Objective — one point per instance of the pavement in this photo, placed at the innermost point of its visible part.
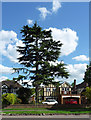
(47, 116)
(45, 119)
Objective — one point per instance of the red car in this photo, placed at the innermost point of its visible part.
(71, 101)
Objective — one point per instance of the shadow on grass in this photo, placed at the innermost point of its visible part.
(71, 108)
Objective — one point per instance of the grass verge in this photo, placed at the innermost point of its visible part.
(58, 109)
(47, 112)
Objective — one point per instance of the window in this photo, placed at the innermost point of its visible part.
(4, 91)
(54, 89)
(63, 89)
(4, 86)
(48, 89)
(67, 89)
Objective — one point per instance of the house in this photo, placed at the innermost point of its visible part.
(65, 93)
(61, 93)
(79, 89)
(50, 91)
(65, 88)
(10, 86)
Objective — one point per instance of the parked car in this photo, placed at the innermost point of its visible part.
(50, 102)
(71, 101)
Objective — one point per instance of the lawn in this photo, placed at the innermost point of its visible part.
(46, 111)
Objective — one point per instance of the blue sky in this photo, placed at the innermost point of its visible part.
(68, 21)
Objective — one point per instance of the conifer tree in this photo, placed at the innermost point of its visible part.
(38, 52)
(87, 76)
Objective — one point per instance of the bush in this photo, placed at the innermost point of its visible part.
(10, 98)
(18, 101)
(5, 102)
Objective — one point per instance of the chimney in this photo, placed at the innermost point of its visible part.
(74, 83)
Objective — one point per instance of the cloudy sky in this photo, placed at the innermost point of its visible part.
(69, 23)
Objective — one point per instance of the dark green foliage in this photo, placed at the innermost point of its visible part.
(38, 51)
(18, 101)
(72, 84)
(5, 102)
(10, 98)
(7, 79)
(87, 94)
(87, 76)
(24, 94)
(32, 91)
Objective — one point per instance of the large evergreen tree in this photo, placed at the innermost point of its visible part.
(87, 76)
(38, 51)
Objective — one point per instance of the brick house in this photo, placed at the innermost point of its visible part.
(79, 89)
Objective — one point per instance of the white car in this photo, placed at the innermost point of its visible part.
(50, 102)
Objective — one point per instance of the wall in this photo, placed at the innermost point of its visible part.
(47, 106)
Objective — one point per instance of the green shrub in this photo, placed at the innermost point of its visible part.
(18, 101)
(5, 102)
(87, 94)
(10, 98)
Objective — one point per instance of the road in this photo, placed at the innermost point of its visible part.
(53, 117)
(45, 119)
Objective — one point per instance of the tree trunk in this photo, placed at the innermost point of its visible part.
(36, 89)
(36, 93)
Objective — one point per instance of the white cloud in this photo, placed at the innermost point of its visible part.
(44, 12)
(67, 37)
(56, 5)
(28, 81)
(2, 78)
(8, 42)
(56, 62)
(81, 58)
(76, 71)
(30, 22)
(5, 70)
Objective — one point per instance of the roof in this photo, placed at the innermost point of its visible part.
(65, 83)
(11, 83)
(81, 85)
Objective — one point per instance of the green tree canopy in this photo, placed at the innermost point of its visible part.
(38, 52)
(87, 94)
(24, 94)
(87, 76)
(72, 84)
